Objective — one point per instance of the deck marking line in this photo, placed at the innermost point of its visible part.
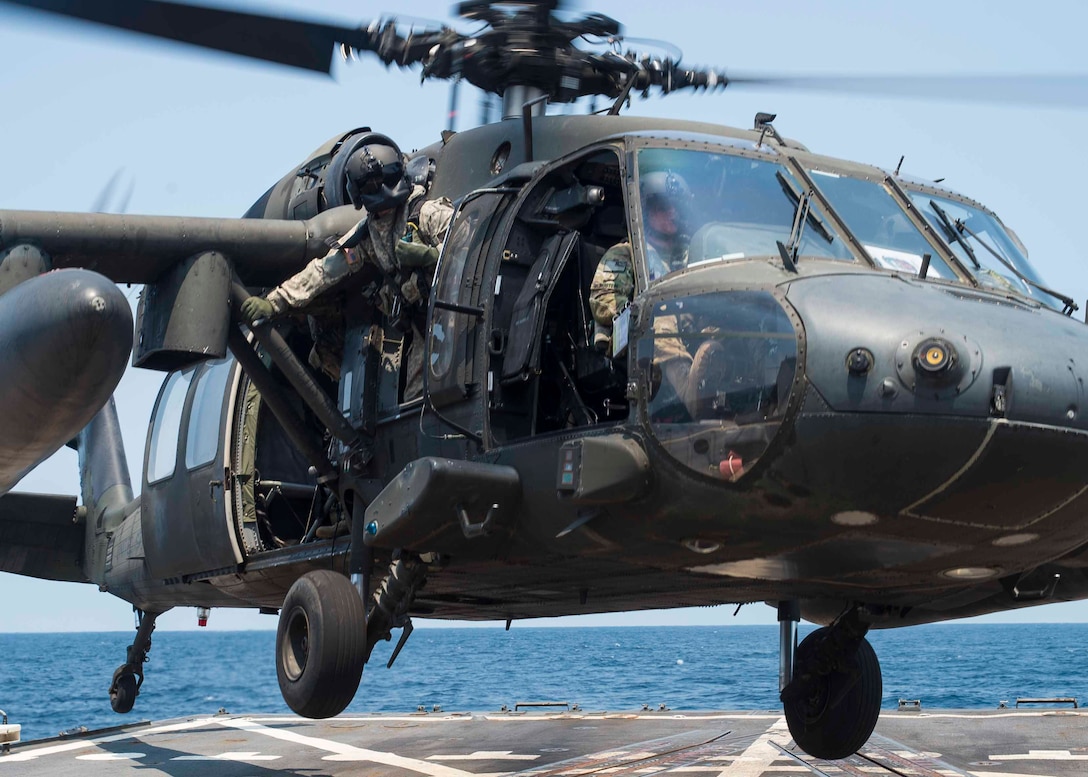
(453, 718)
(247, 756)
(759, 755)
(1040, 755)
(111, 756)
(343, 752)
(499, 717)
(1007, 774)
(485, 755)
(67, 747)
(718, 769)
(976, 716)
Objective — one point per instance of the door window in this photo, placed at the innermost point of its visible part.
(206, 415)
(457, 298)
(163, 450)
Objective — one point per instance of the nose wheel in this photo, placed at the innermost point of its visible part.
(833, 701)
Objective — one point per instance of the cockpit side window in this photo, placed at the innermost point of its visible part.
(206, 415)
(166, 427)
(722, 368)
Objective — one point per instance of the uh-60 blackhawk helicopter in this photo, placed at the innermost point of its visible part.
(836, 326)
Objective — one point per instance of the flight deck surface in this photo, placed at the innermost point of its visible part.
(998, 743)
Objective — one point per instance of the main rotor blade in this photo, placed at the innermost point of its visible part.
(293, 42)
(1068, 91)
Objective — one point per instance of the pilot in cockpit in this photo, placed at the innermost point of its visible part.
(666, 205)
(666, 201)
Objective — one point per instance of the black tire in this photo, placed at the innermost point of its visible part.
(320, 644)
(823, 728)
(123, 693)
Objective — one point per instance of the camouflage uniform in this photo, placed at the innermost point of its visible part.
(325, 272)
(611, 290)
(614, 284)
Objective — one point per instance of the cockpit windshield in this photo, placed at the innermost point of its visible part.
(882, 226)
(703, 206)
(976, 236)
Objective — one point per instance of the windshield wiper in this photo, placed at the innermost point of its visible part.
(1070, 306)
(952, 234)
(798, 200)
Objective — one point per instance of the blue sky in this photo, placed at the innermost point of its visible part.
(204, 134)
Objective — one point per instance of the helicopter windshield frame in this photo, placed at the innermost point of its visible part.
(883, 221)
(716, 223)
(994, 236)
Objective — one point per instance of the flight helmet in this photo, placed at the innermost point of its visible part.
(664, 186)
(666, 206)
(375, 176)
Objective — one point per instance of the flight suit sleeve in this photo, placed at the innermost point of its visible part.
(613, 284)
(434, 220)
(317, 277)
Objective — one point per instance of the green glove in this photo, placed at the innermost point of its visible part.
(415, 254)
(256, 308)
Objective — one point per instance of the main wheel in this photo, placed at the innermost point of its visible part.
(834, 714)
(320, 644)
(123, 693)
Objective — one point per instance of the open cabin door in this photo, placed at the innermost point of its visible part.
(453, 370)
(549, 374)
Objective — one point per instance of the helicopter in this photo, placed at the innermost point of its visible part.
(538, 476)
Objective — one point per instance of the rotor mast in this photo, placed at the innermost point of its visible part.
(528, 57)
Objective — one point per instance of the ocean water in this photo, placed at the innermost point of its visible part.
(55, 682)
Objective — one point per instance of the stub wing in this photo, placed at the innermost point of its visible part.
(40, 537)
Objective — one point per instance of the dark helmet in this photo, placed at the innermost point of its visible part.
(374, 175)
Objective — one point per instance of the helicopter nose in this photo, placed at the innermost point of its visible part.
(65, 338)
(885, 344)
(939, 402)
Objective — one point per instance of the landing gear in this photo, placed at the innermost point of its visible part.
(128, 677)
(390, 611)
(325, 635)
(320, 644)
(833, 700)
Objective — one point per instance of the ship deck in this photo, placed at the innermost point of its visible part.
(541, 741)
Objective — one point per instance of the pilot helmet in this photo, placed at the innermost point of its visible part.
(664, 188)
(666, 205)
(375, 177)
